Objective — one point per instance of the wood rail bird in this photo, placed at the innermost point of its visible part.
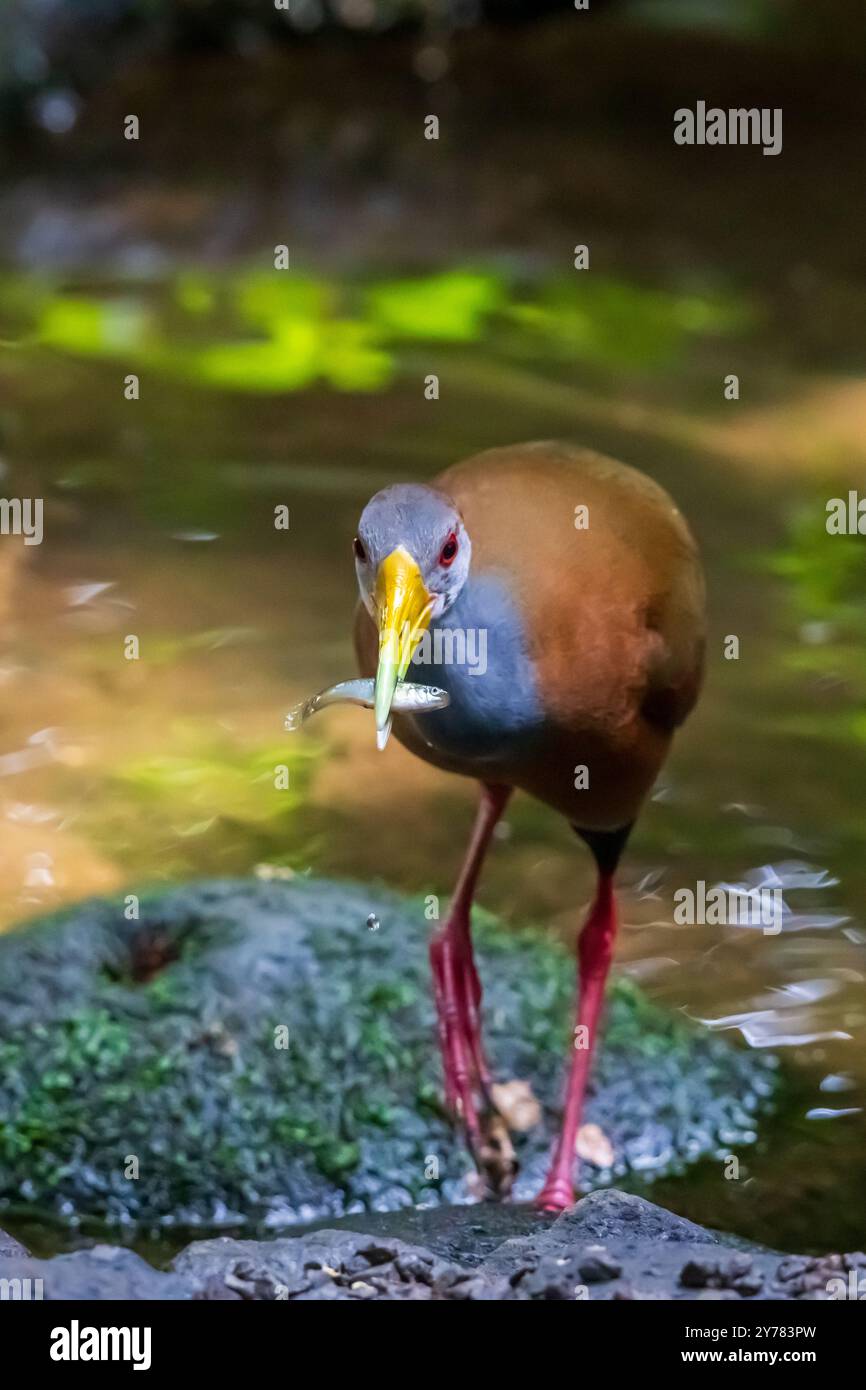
(586, 581)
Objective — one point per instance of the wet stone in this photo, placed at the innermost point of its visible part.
(737, 1273)
(597, 1266)
(549, 1261)
(289, 1061)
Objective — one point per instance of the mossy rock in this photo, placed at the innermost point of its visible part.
(154, 1045)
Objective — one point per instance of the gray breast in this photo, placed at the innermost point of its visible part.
(478, 652)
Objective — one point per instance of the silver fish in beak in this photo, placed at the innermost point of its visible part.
(409, 698)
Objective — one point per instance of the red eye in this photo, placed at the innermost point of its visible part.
(449, 550)
(358, 547)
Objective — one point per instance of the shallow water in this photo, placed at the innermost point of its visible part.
(159, 523)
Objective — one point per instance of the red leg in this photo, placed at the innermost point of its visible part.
(455, 978)
(594, 951)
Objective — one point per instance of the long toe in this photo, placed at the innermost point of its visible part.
(497, 1159)
(556, 1195)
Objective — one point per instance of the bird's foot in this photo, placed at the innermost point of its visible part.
(557, 1194)
(497, 1161)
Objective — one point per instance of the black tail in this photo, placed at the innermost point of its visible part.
(606, 845)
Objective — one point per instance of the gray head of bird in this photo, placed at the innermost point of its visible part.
(412, 557)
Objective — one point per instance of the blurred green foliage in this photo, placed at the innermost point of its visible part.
(451, 307)
(613, 323)
(826, 587)
(826, 573)
(213, 799)
(270, 333)
(219, 779)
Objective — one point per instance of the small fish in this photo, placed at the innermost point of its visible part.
(409, 698)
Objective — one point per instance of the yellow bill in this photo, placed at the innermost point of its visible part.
(403, 608)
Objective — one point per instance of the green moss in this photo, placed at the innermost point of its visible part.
(182, 1071)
